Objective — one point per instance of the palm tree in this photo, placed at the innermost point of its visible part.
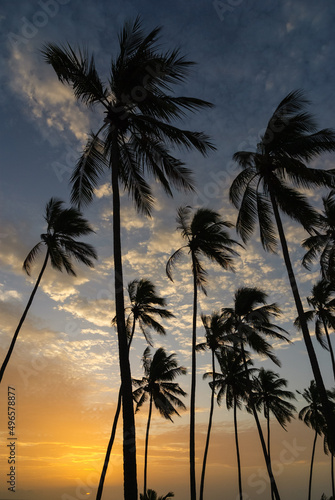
(64, 225)
(152, 495)
(205, 236)
(247, 322)
(270, 182)
(134, 139)
(322, 301)
(143, 309)
(212, 325)
(232, 383)
(160, 370)
(270, 394)
(312, 415)
(322, 244)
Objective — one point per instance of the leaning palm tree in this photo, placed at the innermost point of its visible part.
(138, 128)
(248, 322)
(160, 370)
(231, 382)
(312, 415)
(270, 394)
(64, 225)
(214, 340)
(146, 304)
(270, 182)
(322, 301)
(322, 244)
(205, 235)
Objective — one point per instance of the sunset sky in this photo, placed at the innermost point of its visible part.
(64, 369)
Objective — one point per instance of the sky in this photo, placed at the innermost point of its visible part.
(64, 369)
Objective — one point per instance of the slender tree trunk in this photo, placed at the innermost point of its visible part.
(327, 410)
(129, 444)
(311, 468)
(112, 438)
(146, 448)
(203, 472)
(259, 428)
(23, 317)
(237, 451)
(330, 347)
(332, 474)
(269, 451)
(193, 384)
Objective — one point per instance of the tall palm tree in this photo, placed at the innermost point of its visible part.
(213, 329)
(248, 321)
(134, 139)
(312, 415)
(232, 383)
(205, 235)
(322, 243)
(322, 301)
(145, 305)
(160, 370)
(269, 394)
(270, 182)
(64, 225)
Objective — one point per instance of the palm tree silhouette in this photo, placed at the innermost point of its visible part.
(152, 495)
(160, 370)
(322, 244)
(64, 225)
(312, 415)
(213, 329)
(269, 183)
(133, 139)
(144, 301)
(269, 394)
(232, 383)
(247, 322)
(205, 236)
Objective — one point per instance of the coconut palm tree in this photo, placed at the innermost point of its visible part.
(134, 138)
(64, 225)
(145, 305)
(248, 321)
(322, 301)
(160, 370)
(322, 243)
(205, 235)
(214, 333)
(231, 382)
(269, 394)
(270, 182)
(312, 415)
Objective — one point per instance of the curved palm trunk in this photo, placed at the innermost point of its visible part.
(112, 438)
(193, 380)
(269, 452)
(146, 449)
(129, 444)
(327, 410)
(330, 347)
(311, 468)
(237, 451)
(203, 472)
(23, 317)
(259, 428)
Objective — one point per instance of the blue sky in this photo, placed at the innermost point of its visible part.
(249, 55)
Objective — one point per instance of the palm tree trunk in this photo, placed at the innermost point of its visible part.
(23, 317)
(112, 438)
(193, 384)
(269, 453)
(129, 444)
(237, 451)
(146, 449)
(259, 428)
(202, 482)
(311, 468)
(327, 410)
(330, 347)
(332, 474)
